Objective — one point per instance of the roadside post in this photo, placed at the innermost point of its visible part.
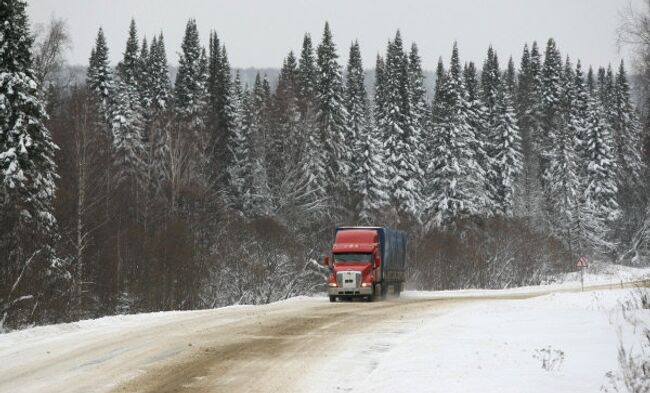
(582, 264)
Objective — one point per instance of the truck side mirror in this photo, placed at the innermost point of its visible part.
(327, 261)
(377, 262)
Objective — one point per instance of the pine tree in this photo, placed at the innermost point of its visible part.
(260, 199)
(159, 95)
(332, 116)
(307, 76)
(190, 86)
(368, 181)
(552, 89)
(143, 79)
(456, 177)
(128, 68)
(627, 134)
(128, 147)
(158, 69)
(420, 108)
(438, 99)
(27, 175)
(508, 159)
(99, 78)
(402, 140)
(529, 115)
(600, 194)
(315, 159)
(240, 145)
(510, 78)
(488, 135)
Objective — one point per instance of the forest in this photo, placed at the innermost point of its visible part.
(132, 192)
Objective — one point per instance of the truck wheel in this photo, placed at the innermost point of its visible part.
(378, 293)
(332, 299)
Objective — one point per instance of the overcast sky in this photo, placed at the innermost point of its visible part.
(259, 33)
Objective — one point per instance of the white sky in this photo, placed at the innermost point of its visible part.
(259, 33)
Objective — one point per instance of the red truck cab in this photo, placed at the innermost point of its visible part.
(366, 262)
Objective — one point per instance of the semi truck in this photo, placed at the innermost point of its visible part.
(366, 262)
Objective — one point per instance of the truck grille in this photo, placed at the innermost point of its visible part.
(348, 279)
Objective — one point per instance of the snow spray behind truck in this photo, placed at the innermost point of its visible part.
(366, 262)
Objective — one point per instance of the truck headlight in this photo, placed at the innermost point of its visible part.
(332, 284)
(366, 284)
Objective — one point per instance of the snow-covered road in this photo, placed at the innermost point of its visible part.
(492, 341)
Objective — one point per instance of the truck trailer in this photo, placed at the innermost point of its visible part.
(366, 262)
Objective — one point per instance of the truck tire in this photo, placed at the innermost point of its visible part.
(332, 299)
(376, 293)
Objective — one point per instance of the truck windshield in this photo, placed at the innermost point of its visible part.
(352, 257)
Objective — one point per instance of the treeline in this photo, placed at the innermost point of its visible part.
(204, 192)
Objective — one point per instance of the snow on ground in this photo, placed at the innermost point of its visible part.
(562, 342)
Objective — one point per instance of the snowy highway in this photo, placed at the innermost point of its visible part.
(424, 341)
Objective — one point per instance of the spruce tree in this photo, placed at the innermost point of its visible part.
(99, 78)
(488, 134)
(240, 146)
(529, 115)
(190, 86)
(420, 108)
(457, 180)
(260, 199)
(510, 78)
(314, 163)
(128, 68)
(627, 133)
(27, 175)
(307, 76)
(438, 99)
(144, 78)
(128, 146)
(158, 70)
(600, 193)
(368, 177)
(332, 116)
(356, 103)
(548, 146)
(401, 135)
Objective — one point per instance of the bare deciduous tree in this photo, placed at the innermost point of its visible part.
(50, 45)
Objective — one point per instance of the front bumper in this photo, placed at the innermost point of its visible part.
(340, 291)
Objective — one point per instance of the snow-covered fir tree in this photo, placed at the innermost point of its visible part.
(144, 77)
(402, 141)
(128, 120)
(486, 133)
(368, 177)
(128, 148)
(627, 133)
(332, 115)
(420, 108)
(240, 167)
(159, 95)
(600, 193)
(99, 77)
(158, 69)
(529, 119)
(510, 78)
(260, 198)
(27, 173)
(315, 163)
(507, 159)
(356, 103)
(190, 85)
(128, 69)
(437, 107)
(457, 180)
(548, 145)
